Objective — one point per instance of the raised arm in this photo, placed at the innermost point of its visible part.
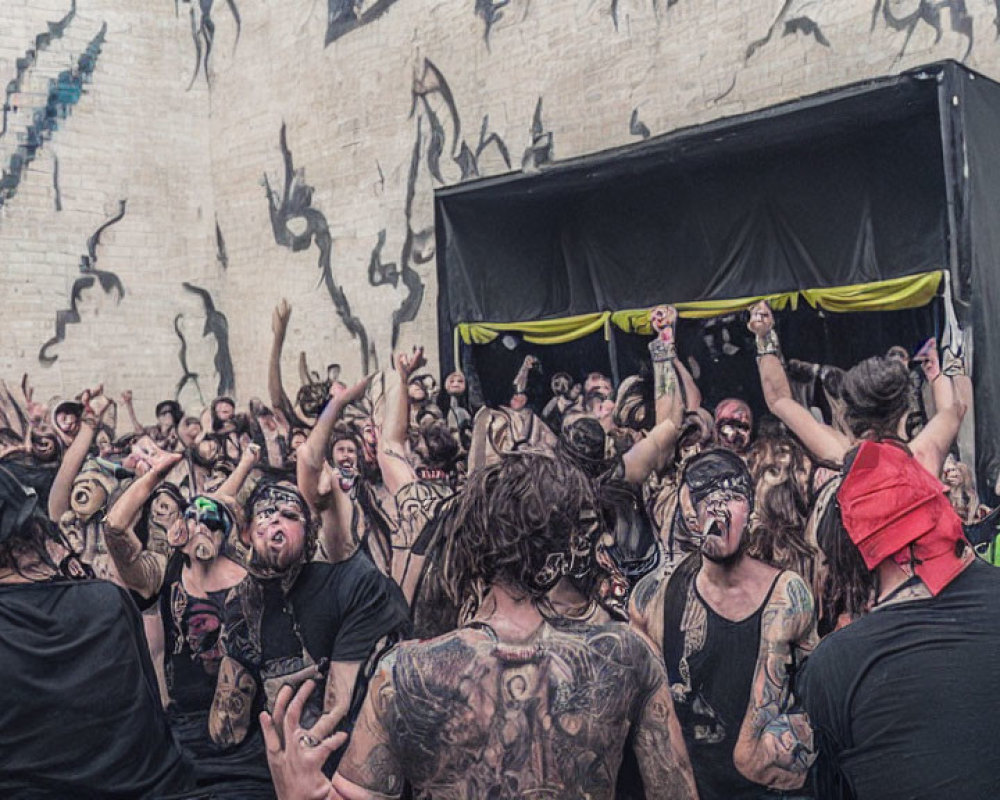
(822, 441)
(140, 569)
(75, 455)
(248, 460)
(311, 455)
(775, 744)
(396, 470)
(275, 388)
(952, 394)
(130, 410)
(651, 453)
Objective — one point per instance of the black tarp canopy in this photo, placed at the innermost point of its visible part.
(880, 180)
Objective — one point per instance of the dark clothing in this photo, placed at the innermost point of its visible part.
(81, 715)
(334, 612)
(903, 700)
(198, 632)
(710, 661)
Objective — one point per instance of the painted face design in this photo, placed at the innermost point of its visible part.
(164, 511)
(733, 425)
(722, 517)
(278, 531)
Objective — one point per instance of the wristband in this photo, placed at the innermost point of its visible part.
(768, 345)
(661, 351)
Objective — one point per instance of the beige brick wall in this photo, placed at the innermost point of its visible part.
(355, 111)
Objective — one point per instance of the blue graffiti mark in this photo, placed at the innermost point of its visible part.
(54, 31)
(64, 93)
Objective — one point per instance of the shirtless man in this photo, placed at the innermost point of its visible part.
(513, 704)
(730, 628)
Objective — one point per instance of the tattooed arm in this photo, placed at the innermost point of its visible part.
(645, 609)
(823, 442)
(232, 705)
(659, 747)
(140, 569)
(775, 745)
(370, 769)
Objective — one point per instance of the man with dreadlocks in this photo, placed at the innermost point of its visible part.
(731, 628)
(901, 698)
(515, 703)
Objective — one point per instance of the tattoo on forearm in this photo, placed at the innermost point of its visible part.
(665, 378)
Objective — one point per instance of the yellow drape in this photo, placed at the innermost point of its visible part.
(911, 291)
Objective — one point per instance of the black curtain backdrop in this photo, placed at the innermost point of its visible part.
(842, 189)
(877, 180)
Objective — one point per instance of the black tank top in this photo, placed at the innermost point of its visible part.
(710, 661)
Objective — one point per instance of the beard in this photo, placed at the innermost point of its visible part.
(268, 562)
(714, 530)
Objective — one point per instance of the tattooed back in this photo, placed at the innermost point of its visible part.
(466, 715)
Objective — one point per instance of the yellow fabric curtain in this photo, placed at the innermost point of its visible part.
(911, 291)
(542, 331)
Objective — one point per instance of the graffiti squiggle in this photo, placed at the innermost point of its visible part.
(203, 31)
(109, 283)
(929, 13)
(295, 202)
(216, 326)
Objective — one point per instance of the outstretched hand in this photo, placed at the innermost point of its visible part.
(927, 357)
(344, 396)
(407, 364)
(663, 319)
(295, 754)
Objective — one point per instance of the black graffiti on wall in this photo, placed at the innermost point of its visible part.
(636, 126)
(343, 16)
(221, 255)
(927, 12)
(791, 22)
(293, 207)
(203, 33)
(64, 92)
(110, 284)
(491, 12)
(539, 152)
(55, 182)
(54, 30)
(216, 327)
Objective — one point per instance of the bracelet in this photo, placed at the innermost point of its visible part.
(768, 345)
(661, 351)
(952, 364)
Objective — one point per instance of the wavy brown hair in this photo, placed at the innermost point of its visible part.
(514, 521)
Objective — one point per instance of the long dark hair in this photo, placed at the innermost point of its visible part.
(522, 523)
(876, 393)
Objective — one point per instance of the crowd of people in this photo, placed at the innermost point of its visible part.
(386, 590)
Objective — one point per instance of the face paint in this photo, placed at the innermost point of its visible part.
(278, 530)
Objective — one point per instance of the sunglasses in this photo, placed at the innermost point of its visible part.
(210, 514)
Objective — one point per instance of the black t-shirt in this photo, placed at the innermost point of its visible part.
(337, 612)
(904, 701)
(81, 714)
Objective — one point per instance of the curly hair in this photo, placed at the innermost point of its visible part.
(877, 396)
(523, 523)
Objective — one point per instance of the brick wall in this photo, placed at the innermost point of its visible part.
(377, 110)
